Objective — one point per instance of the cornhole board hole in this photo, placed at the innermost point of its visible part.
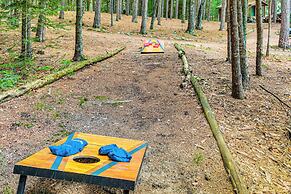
(97, 169)
(152, 46)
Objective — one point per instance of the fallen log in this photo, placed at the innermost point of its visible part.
(229, 164)
(10, 94)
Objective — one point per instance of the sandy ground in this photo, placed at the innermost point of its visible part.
(183, 156)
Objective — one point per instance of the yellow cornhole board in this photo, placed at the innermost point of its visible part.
(152, 46)
(106, 172)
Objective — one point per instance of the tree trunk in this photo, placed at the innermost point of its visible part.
(120, 9)
(135, 11)
(259, 37)
(62, 12)
(242, 48)
(117, 9)
(144, 17)
(159, 11)
(40, 30)
(111, 12)
(191, 18)
(245, 18)
(162, 8)
(274, 12)
(209, 11)
(171, 9)
(78, 56)
(184, 11)
(228, 32)
(177, 9)
(199, 15)
(153, 14)
(97, 17)
(223, 11)
(285, 23)
(26, 49)
(127, 7)
(237, 88)
(269, 28)
(167, 9)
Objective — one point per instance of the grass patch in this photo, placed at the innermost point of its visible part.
(7, 190)
(101, 98)
(59, 135)
(45, 68)
(56, 115)
(8, 79)
(82, 101)
(27, 125)
(198, 158)
(41, 106)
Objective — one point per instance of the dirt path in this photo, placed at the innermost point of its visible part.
(159, 112)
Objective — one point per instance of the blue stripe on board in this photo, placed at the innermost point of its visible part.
(161, 45)
(107, 166)
(59, 159)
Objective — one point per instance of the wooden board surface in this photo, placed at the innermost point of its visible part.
(152, 46)
(45, 164)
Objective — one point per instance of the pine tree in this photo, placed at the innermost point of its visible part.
(237, 87)
(285, 24)
(127, 7)
(223, 12)
(153, 14)
(259, 22)
(184, 11)
(191, 17)
(144, 17)
(26, 48)
(269, 28)
(97, 17)
(171, 9)
(111, 12)
(40, 30)
(199, 15)
(167, 9)
(78, 56)
(159, 2)
(135, 11)
(177, 9)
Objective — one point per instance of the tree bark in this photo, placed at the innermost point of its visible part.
(40, 30)
(223, 12)
(78, 56)
(62, 12)
(153, 14)
(285, 24)
(167, 9)
(120, 9)
(259, 54)
(242, 48)
(199, 15)
(117, 9)
(135, 11)
(171, 9)
(26, 48)
(177, 9)
(162, 8)
(184, 11)
(274, 12)
(97, 17)
(245, 18)
(191, 19)
(269, 28)
(228, 33)
(127, 7)
(159, 11)
(144, 17)
(237, 87)
(111, 12)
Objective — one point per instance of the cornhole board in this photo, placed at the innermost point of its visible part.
(106, 172)
(152, 46)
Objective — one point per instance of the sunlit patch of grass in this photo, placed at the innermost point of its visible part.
(101, 98)
(198, 158)
(82, 101)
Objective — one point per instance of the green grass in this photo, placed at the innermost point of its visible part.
(82, 101)
(101, 98)
(45, 68)
(198, 158)
(8, 79)
(7, 190)
(59, 135)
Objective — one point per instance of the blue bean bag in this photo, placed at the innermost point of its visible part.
(115, 153)
(69, 148)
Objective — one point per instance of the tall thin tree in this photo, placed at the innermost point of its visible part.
(269, 27)
(184, 11)
(237, 87)
(242, 48)
(144, 17)
(117, 3)
(274, 12)
(153, 14)
(97, 17)
(177, 9)
(259, 22)
(40, 30)
(285, 24)
(135, 11)
(171, 9)
(26, 47)
(199, 15)
(167, 9)
(111, 12)
(222, 15)
(159, 2)
(228, 32)
(191, 17)
(62, 12)
(78, 56)
(127, 7)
